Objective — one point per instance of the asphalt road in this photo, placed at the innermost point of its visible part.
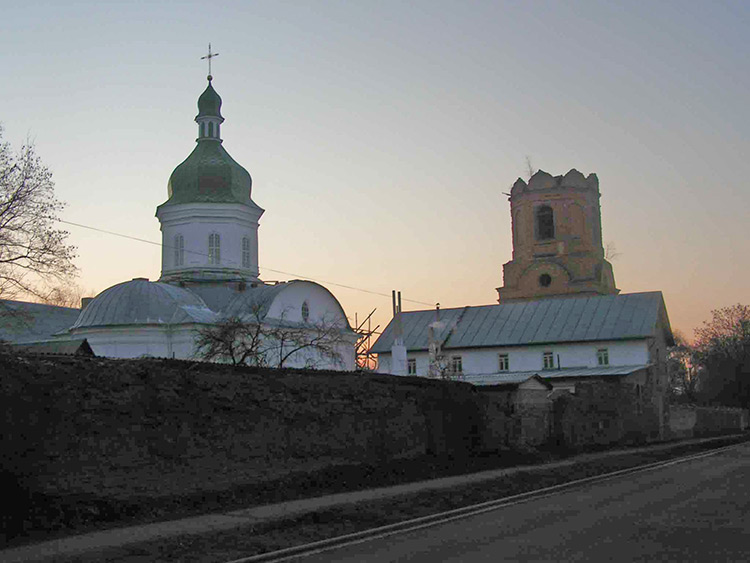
(693, 511)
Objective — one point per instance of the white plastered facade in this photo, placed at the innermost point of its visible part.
(195, 223)
(486, 361)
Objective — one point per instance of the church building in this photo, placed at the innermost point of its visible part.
(210, 272)
(559, 318)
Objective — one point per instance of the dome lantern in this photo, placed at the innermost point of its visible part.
(209, 117)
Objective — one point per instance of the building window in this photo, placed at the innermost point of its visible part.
(456, 365)
(548, 360)
(602, 357)
(545, 223)
(210, 128)
(411, 366)
(503, 362)
(179, 250)
(214, 248)
(245, 252)
(305, 311)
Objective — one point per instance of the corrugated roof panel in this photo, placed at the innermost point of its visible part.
(497, 318)
(461, 324)
(523, 315)
(573, 319)
(557, 322)
(474, 321)
(573, 313)
(585, 319)
(22, 322)
(607, 328)
(640, 321)
(597, 321)
(539, 312)
(622, 325)
(546, 332)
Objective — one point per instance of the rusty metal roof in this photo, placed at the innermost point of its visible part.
(541, 321)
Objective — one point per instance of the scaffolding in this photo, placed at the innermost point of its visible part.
(364, 358)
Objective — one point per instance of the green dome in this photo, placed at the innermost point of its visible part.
(209, 104)
(209, 174)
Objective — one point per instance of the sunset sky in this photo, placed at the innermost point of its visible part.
(381, 135)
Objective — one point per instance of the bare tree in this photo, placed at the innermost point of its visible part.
(610, 251)
(322, 340)
(69, 295)
(684, 373)
(256, 340)
(32, 250)
(723, 352)
(234, 340)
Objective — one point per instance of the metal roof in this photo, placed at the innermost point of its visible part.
(66, 347)
(25, 322)
(541, 321)
(140, 301)
(516, 377)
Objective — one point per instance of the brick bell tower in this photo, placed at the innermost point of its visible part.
(557, 239)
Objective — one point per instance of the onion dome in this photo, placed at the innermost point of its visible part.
(209, 104)
(209, 174)
(139, 302)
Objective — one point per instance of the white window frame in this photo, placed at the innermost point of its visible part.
(179, 250)
(503, 362)
(411, 366)
(456, 365)
(245, 252)
(548, 360)
(602, 356)
(214, 248)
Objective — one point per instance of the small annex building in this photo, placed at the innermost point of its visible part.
(559, 316)
(209, 273)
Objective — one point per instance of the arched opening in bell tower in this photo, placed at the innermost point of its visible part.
(545, 223)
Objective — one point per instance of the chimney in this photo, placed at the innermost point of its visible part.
(85, 302)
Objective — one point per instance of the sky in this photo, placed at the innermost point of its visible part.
(381, 135)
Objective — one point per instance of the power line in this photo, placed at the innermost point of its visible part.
(298, 276)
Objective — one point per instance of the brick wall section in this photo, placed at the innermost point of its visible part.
(689, 421)
(604, 412)
(515, 418)
(155, 427)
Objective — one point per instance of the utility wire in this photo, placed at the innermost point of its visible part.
(298, 276)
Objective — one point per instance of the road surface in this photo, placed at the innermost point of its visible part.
(693, 511)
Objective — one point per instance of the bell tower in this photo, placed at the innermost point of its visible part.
(557, 239)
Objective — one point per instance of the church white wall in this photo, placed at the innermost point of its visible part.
(482, 361)
(196, 222)
(167, 341)
(324, 310)
(322, 305)
(136, 341)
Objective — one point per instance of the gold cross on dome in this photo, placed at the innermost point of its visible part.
(209, 57)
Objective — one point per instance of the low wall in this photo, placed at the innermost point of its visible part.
(125, 428)
(158, 427)
(690, 421)
(515, 418)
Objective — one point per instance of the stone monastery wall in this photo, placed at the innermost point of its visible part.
(124, 428)
(158, 427)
